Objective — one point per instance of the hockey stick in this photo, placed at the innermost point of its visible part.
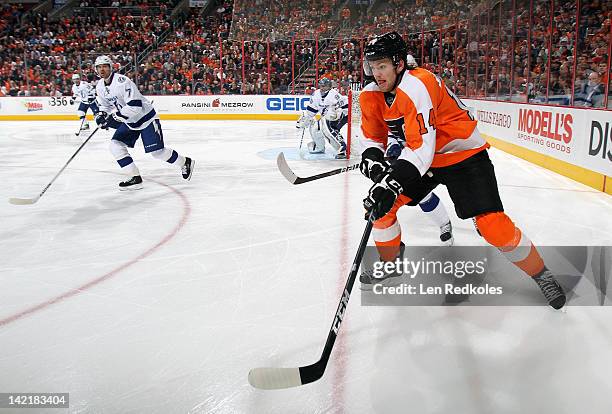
(302, 139)
(286, 171)
(277, 378)
(81, 127)
(24, 201)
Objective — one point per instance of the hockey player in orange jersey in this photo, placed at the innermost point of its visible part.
(441, 146)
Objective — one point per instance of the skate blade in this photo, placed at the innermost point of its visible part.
(449, 242)
(131, 188)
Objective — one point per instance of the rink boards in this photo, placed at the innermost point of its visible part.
(573, 142)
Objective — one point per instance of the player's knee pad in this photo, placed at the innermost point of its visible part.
(118, 149)
(162, 154)
(496, 228)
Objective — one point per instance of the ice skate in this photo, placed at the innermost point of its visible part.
(552, 290)
(368, 279)
(134, 183)
(187, 169)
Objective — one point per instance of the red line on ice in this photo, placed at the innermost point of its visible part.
(340, 361)
(112, 273)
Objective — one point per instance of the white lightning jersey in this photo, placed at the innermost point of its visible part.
(84, 92)
(333, 99)
(122, 98)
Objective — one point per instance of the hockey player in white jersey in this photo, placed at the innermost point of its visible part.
(84, 94)
(122, 107)
(333, 108)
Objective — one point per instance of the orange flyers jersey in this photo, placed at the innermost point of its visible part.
(433, 124)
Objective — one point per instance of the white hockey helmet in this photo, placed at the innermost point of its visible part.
(102, 60)
(76, 77)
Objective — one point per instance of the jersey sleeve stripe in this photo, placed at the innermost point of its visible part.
(419, 152)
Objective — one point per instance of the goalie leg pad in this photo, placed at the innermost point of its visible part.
(317, 146)
(332, 134)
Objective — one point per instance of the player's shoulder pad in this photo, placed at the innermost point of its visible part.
(121, 79)
(414, 85)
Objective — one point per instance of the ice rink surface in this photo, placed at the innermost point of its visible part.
(162, 300)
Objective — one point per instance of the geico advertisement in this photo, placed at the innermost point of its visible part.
(218, 104)
(581, 137)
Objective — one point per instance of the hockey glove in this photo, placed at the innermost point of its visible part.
(398, 177)
(373, 164)
(382, 196)
(103, 119)
(305, 121)
(71, 101)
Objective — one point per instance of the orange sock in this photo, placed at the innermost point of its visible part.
(500, 231)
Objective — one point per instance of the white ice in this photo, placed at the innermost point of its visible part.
(162, 300)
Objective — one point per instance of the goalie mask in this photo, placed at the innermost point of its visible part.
(325, 85)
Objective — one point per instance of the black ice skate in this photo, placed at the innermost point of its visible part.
(368, 280)
(446, 234)
(552, 290)
(134, 183)
(187, 169)
(85, 127)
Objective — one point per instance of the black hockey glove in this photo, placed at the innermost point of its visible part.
(382, 196)
(106, 121)
(71, 101)
(103, 119)
(373, 164)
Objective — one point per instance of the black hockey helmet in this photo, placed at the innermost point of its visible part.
(389, 45)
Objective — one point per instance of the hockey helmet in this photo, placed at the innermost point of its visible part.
(325, 85)
(76, 77)
(389, 45)
(102, 60)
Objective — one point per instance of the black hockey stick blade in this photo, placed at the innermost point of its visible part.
(286, 171)
(278, 378)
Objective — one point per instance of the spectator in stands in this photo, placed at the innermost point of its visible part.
(590, 93)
